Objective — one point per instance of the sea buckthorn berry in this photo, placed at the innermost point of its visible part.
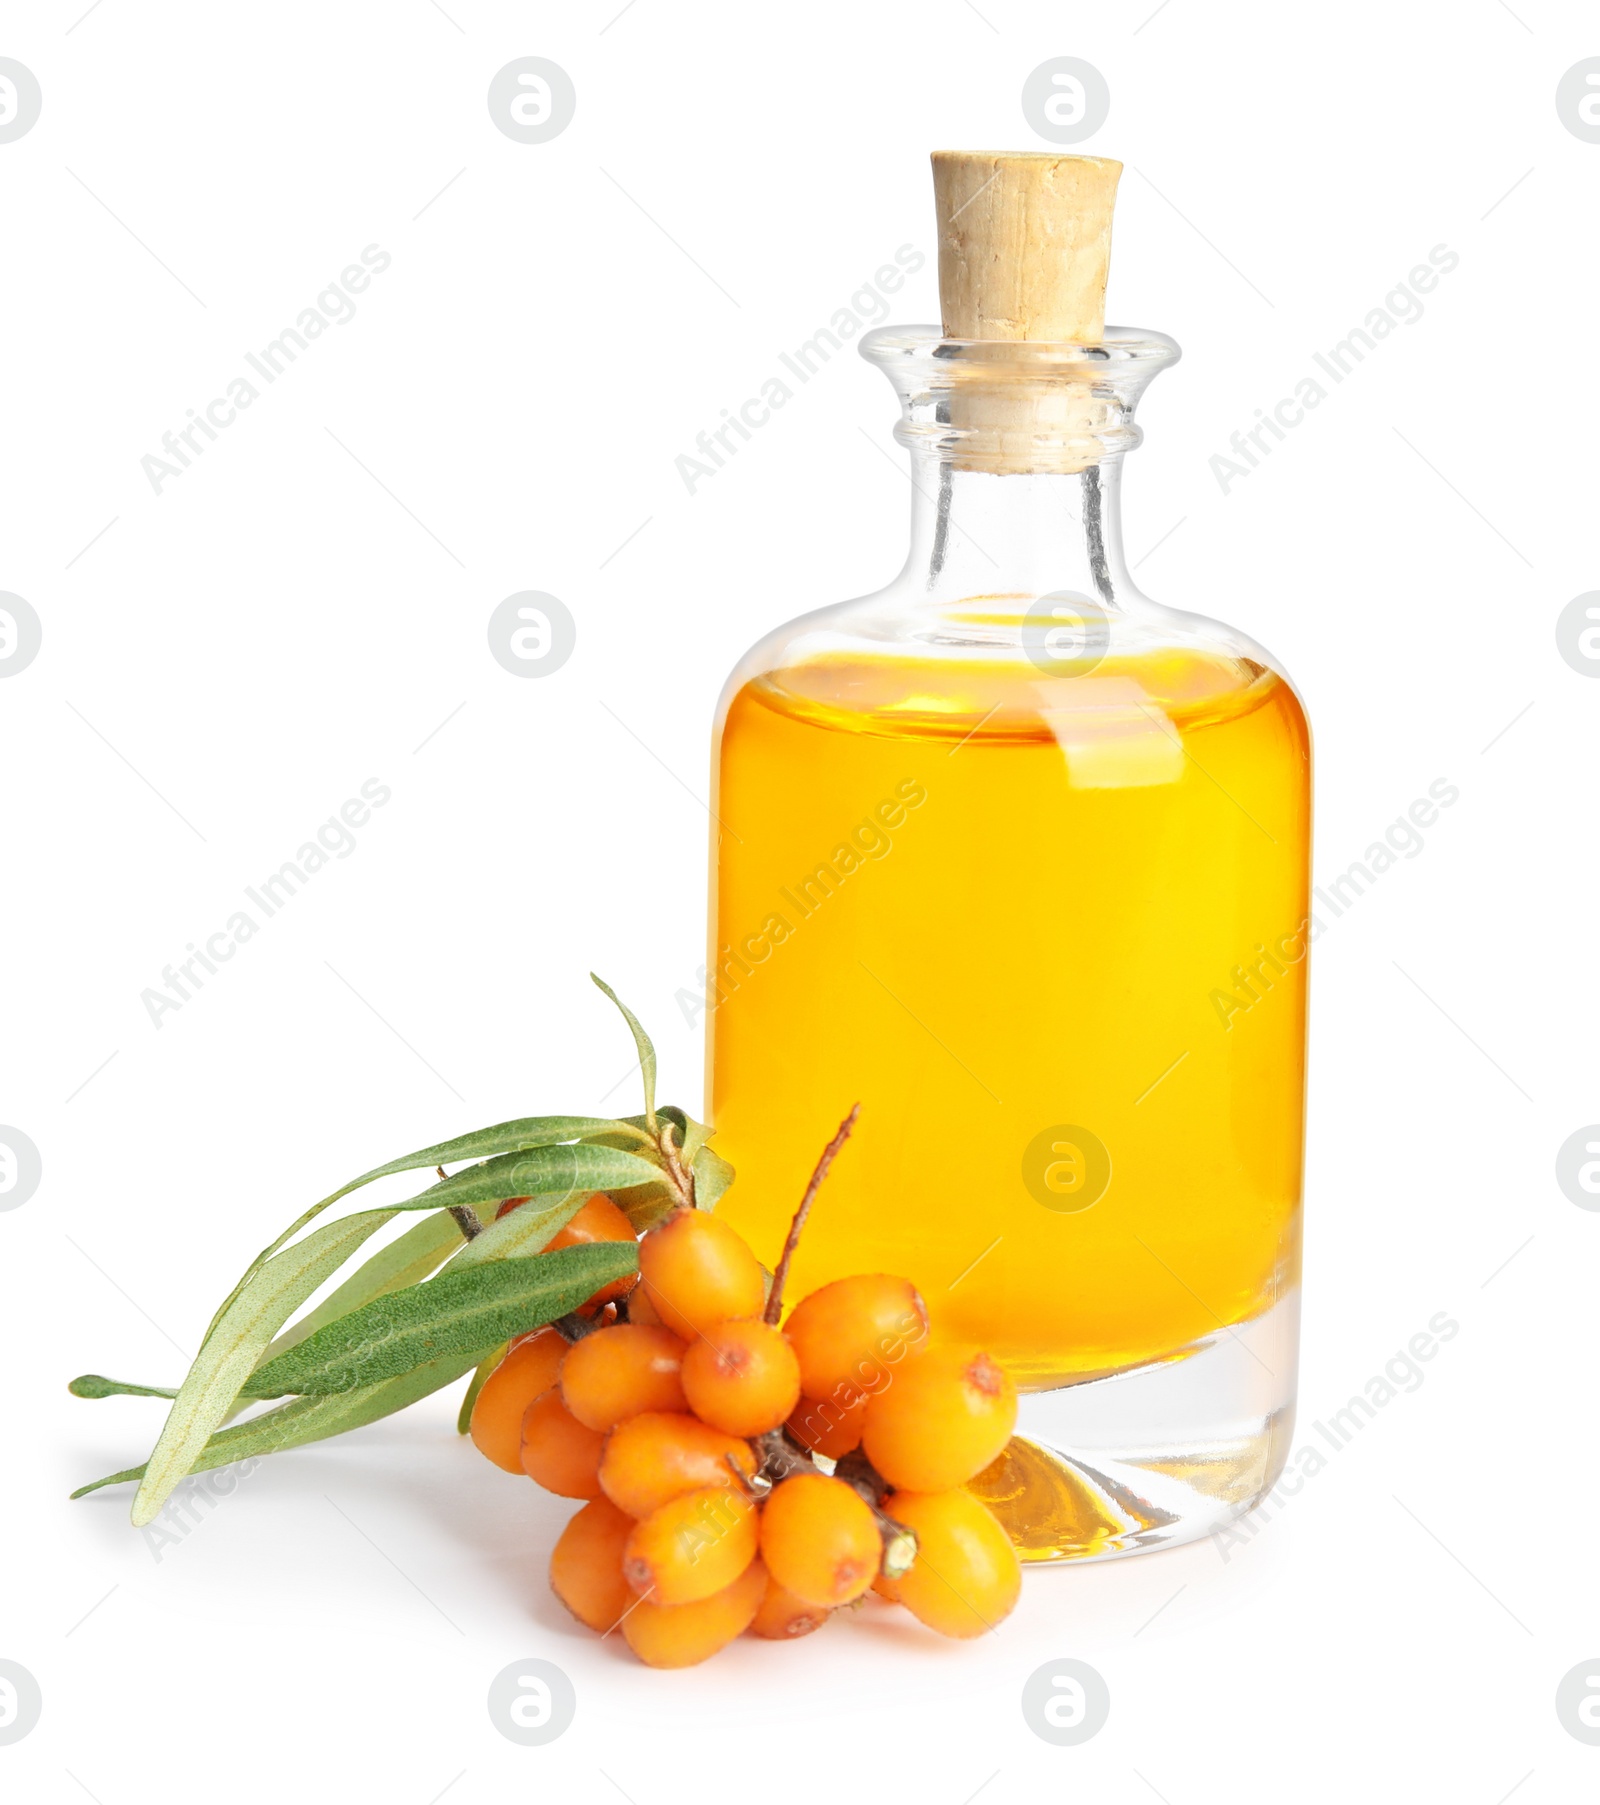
(851, 1335)
(692, 1546)
(944, 1416)
(966, 1576)
(618, 1371)
(782, 1616)
(528, 1369)
(827, 1427)
(820, 1539)
(741, 1376)
(682, 1635)
(653, 1458)
(598, 1220)
(698, 1272)
(586, 1565)
(640, 1308)
(558, 1452)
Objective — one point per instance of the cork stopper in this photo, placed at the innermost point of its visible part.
(1024, 244)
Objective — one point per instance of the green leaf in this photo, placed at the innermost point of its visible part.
(695, 1136)
(485, 1367)
(92, 1385)
(231, 1350)
(647, 1052)
(504, 1137)
(712, 1176)
(456, 1313)
(574, 1170)
(312, 1419)
(405, 1261)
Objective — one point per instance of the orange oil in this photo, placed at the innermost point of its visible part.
(987, 904)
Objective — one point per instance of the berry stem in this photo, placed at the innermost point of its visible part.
(863, 1478)
(774, 1307)
(573, 1327)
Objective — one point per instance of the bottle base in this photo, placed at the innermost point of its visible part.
(1154, 1457)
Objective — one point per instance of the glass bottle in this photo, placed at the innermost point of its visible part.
(1018, 859)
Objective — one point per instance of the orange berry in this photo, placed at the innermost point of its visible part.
(692, 1546)
(586, 1565)
(698, 1272)
(741, 1376)
(681, 1635)
(826, 1427)
(640, 1308)
(528, 1369)
(820, 1539)
(598, 1220)
(618, 1371)
(944, 1416)
(851, 1335)
(966, 1576)
(653, 1458)
(558, 1452)
(782, 1616)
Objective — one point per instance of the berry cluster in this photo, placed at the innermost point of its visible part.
(739, 1476)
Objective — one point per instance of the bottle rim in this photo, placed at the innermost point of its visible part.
(1121, 349)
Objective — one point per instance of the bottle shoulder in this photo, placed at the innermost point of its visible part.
(1003, 665)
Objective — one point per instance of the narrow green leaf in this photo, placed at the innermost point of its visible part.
(482, 1143)
(92, 1385)
(712, 1176)
(458, 1312)
(504, 1137)
(225, 1361)
(577, 1169)
(485, 1367)
(405, 1261)
(695, 1136)
(304, 1420)
(647, 1052)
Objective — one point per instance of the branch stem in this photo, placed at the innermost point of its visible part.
(774, 1307)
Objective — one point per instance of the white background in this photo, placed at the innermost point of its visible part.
(227, 661)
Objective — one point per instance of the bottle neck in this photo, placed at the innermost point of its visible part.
(976, 533)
